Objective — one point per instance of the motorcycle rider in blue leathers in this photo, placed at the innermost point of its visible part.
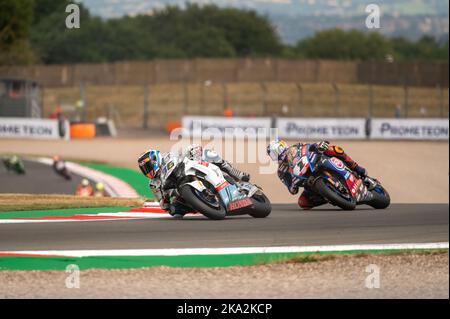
(285, 156)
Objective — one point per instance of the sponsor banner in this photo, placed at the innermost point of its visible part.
(410, 129)
(321, 128)
(205, 126)
(33, 128)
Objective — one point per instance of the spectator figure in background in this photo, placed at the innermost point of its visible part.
(423, 111)
(56, 114)
(60, 168)
(99, 190)
(398, 111)
(84, 189)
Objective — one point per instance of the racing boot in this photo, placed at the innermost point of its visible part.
(308, 200)
(178, 209)
(212, 157)
(238, 175)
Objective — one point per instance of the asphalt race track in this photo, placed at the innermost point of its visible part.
(39, 179)
(287, 225)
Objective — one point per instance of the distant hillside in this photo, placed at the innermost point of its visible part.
(111, 8)
(412, 27)
(297, 19)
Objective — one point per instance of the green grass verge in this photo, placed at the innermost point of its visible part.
(135, 179)
(197, 261)
(324, 256)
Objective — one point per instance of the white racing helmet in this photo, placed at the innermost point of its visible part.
(277, 150)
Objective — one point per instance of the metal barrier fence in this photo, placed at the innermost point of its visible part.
(235, 70)
(152, 106)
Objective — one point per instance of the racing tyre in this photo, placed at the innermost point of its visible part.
(380, 201)
(194, 199)
(333, 197)
(66, 175)
(261, 206)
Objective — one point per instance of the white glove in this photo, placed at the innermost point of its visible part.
(323, 146)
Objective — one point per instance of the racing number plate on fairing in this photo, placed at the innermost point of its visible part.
(167, 169)
(239, 204)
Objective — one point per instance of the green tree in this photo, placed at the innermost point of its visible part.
(205, 42)
(426, 48)
(192, 31)
(15, 23)
(172, 32)
(338, 44)
(247, 32)
(54, 43)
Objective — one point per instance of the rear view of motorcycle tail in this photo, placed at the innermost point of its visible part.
(60, 168)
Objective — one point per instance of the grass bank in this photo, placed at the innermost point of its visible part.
(29, 202)
(319, 257)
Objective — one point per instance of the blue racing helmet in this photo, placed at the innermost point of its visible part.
(150, 163)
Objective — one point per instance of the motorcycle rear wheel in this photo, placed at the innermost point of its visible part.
(332, 196)
(261, 206)
(193, 200)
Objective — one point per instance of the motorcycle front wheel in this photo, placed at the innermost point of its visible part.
(380, 199)
(261, 206)
(332, 195)
(195, 199)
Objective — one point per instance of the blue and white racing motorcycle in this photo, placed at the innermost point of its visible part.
(209, 191)
(334, 181)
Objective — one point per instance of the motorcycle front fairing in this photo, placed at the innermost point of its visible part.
(229, 193)
(355, 185)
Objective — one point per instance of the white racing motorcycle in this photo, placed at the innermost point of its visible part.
(211, 192)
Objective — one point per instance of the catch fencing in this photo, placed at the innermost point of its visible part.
(154, 72)
(153, 106)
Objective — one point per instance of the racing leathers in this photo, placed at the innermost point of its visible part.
(309, 198)
(225, 166)
(174, 204)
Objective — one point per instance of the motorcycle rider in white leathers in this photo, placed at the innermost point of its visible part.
(150, 165)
